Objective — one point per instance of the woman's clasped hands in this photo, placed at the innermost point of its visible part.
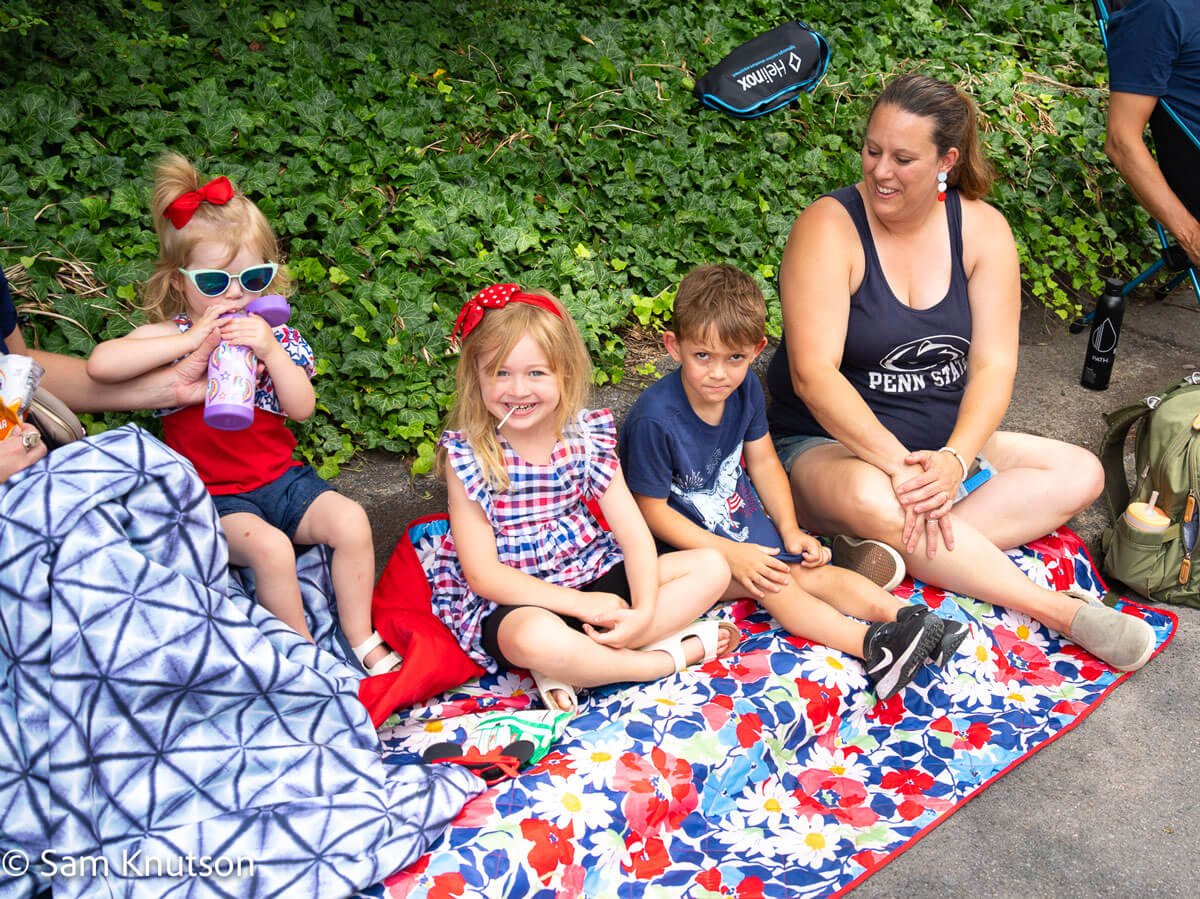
(926, 487)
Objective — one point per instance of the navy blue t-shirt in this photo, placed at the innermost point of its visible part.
(1154, 51)
(669, 452)
(8, 314)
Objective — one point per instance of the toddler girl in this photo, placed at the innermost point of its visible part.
(216, 254)
(527, 577)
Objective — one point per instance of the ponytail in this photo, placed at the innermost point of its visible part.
(161, 298)
(174, 176)
(955, 124)
(973, 173)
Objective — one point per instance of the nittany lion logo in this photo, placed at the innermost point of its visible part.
(925, 353)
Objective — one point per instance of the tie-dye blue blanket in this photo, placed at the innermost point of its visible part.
(160, 734)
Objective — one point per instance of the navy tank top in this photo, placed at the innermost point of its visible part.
(909, 365)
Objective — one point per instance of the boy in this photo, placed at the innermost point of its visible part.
(682, 447)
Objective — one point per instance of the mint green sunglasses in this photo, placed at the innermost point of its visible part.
(212, 282)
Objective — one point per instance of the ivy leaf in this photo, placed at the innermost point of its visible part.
(48, 173)
(127, 200)
(307, 269)
(423, 464)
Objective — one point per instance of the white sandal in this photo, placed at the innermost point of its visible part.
(389, 662)
(547, 685)
(706, 630)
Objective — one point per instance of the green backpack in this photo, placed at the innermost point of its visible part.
(1167, 460)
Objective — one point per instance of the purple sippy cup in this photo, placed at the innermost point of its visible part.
(229, 401)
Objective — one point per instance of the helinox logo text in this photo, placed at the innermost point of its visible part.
(766, 71)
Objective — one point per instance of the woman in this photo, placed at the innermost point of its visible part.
(901, 303)
(66, 377)
(24, 446)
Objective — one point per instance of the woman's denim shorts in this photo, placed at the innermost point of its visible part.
(790, 446)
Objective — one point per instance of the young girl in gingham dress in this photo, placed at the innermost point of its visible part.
(527, 577)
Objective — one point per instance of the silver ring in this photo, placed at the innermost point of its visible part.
(30, 439)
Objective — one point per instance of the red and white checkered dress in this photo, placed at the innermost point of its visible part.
(542, 524)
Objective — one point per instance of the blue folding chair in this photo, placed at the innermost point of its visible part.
(1171, 137)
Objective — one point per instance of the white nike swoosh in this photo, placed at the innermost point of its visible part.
(887, 686)
(887, 660)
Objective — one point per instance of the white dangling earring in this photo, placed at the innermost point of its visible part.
(941, 178)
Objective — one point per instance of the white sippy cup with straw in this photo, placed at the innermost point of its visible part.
(1147, 517)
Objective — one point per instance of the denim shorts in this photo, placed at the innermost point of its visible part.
(790, 446)
(281, 503)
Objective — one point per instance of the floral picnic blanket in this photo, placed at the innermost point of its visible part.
(160, 733)
(771, 773)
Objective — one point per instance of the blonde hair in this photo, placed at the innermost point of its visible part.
(722, 299)
(238, 224)
(497, 333)
(955, 124)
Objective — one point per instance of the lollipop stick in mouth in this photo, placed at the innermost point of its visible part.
(506, 418)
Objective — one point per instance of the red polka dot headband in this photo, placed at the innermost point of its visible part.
(495, 297)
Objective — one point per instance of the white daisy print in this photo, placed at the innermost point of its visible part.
(831, 668)
(743, 839)
(811, 843)
(767, 804)
(1025, 628)
(969, 689)
(839, 763)
(974, 656)
(569, 800)
(595, 763)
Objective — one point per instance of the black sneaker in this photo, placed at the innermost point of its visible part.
(953, 634)
(894, 651)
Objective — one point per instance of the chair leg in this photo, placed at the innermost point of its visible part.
(1150, 272)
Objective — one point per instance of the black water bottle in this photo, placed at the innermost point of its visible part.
(1102, 342)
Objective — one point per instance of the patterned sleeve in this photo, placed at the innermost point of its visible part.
(600, 444)
(461, 458)
(297, 347)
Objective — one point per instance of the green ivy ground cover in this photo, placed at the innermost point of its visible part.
(409, 153)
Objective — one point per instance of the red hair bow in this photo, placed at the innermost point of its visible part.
(495, 297)
(218, 192)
